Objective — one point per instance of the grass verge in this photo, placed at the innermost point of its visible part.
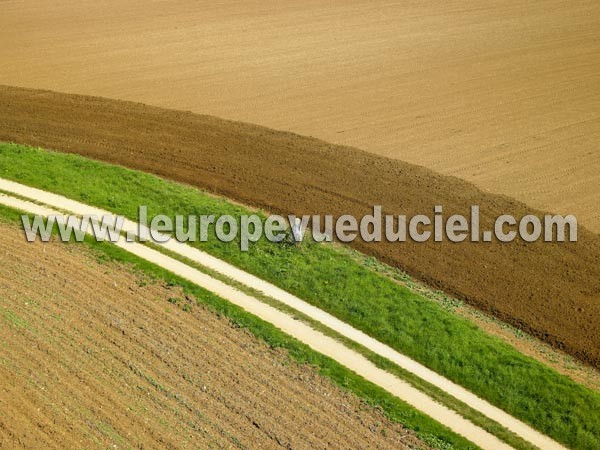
(329, 279)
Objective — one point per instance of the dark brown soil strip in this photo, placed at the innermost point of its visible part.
(549, 290)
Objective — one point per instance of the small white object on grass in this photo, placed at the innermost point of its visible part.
(297, 230)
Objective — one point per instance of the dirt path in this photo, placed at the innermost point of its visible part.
(504, 93)
(313, 338)
(548, 290)
(94, 356)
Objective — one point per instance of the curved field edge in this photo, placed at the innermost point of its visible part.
(322, 275)
(548, 290)
(504, 94)
(428, 430)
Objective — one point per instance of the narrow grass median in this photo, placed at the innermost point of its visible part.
(332, 280)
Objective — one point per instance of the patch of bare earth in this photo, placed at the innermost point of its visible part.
(92, 355)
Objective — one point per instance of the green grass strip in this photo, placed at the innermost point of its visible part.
(330, 279)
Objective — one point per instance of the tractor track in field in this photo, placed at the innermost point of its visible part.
(305, 333)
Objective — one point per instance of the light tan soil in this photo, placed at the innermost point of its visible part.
(94, 356)
(502, 93)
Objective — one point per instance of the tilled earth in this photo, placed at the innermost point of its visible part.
(504, 93)
(550, 290)
(94, 356)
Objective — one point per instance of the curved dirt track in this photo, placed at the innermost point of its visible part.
(548, 290)
(502, 93)
(347, 331)
(94, 356)
(318, 341)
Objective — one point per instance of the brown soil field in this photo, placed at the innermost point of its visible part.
(94, 356)
(504, 93)
(549, 290)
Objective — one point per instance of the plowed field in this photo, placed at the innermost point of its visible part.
(93, 356)
(502, 93)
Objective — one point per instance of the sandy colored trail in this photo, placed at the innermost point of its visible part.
(505, 94)
(304, 333)
(548, 290)
(349, 332)
(92, 355)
